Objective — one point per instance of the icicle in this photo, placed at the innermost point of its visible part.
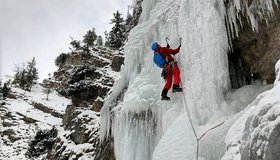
(258, 10)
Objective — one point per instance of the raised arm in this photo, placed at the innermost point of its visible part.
(169, 51)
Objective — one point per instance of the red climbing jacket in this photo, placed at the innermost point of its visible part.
(167, 52)
(172, 68)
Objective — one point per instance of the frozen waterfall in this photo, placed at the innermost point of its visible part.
(145, 128)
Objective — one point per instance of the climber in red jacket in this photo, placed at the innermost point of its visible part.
(170, 70)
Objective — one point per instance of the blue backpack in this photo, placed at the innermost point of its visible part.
(159, 60)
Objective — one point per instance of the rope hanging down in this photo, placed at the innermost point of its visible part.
(192, 125)
(189, 116)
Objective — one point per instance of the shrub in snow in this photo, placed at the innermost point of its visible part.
(42, 143)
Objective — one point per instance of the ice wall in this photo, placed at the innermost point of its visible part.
(141, 122)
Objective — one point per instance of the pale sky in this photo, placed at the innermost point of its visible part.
(41, 28)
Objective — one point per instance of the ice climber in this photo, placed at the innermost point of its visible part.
(163, 57)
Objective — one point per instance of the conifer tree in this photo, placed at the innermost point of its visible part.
(89, 38)
(75, 44)
(99, 41)
(132, 19)
(6, 89)
(117, 34)
(47, 90)
(25, 76)
(137, 10)
(106, 39)
(32, 74)
(128, 24)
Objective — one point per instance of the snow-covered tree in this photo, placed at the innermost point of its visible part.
(106, 43)
(132, 19)
(117, 34)
(61, 59)
(137, 10)
(47, 90)
(32, 74)
(5, 90)
(99, 41)
(128, 23)
(25, 76)
(89, 38)
(20, 79)
(75, 44)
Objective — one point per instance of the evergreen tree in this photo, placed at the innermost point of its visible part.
(106, 39)
(61, 59)
(128, 23)
(117, 34)
(75, 44)
(17, 76)
(89, 38)
(47, 90)
(133, 19)
(137, 10)
(32, 74)
(99, 41)
(6, 89)
(25, 76)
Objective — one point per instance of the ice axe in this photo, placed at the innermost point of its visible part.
(167, 39)
(180, 40)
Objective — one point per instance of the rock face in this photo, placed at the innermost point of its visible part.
(255, 54)
(256, 134)
(86, 78)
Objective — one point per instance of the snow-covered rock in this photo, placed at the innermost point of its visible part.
(86, 77)
(256, 134)
(20, 120)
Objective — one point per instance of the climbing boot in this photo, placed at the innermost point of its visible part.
(176, 88)
(164, 95)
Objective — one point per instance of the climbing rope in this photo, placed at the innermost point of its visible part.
(192, 125)
(189, 116)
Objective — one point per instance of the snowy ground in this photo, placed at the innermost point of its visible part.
(37, 94)
(20, 120)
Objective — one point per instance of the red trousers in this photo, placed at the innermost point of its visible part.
(172, 70)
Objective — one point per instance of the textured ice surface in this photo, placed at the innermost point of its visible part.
(141, 124)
